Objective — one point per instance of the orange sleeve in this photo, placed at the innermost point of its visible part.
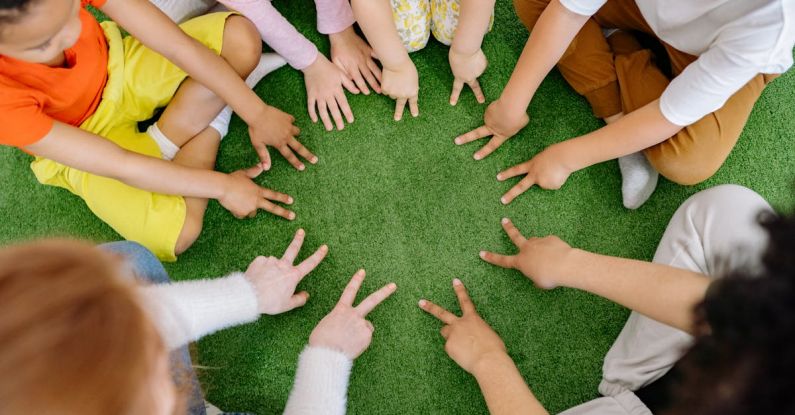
(22, 119)
(96, 3)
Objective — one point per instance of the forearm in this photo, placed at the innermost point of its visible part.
(473, 23)
(634, 132)
(660, 292)
(504, 389)
(549, 39)
(321, 383)
(156, 31)
(375, 20)
(186, 311)
(93, 154)
(276, 31)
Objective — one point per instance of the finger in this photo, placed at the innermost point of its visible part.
(348, 83)
(400, 105)
(295, 131)
(445, 331)
(346, 109)
(467, 306)
(250, 215)
(308, 265)
(303, 151)
(264, 157)
(276, 209)
(371, 302)
(479, 96)
(369, 326)
(514, 171)
(515, 191)
(443, 315)
(473, 135)
(321, 107)
(335, 113)
(516, 237)
(349, 293)
(298, 300)
(253, 172)
(368, 74)
(291, 158)
(504, 261)
(312, 111)
(414, 107)
(376, 71)
(295, 246)
(458, 85)
(489, 148)
(359, 81)
(277, 196)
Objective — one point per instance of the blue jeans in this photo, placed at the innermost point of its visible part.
(149, 270)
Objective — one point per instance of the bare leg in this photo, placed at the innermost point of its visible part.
(186, 118)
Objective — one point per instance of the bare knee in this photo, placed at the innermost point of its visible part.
(242, 46)
(189, 234)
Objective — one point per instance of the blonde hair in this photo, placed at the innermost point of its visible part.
(73, 336)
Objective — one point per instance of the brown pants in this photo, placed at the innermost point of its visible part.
(618, 75)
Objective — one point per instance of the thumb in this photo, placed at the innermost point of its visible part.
(265, 157)
(254, 171)
(298, 300)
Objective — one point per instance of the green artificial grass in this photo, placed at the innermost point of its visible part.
(402, 201)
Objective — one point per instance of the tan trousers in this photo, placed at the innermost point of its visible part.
(713, 233)
(617, 75)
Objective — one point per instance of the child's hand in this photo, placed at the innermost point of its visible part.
(470, 340)
(547, 170)
(345, 329)
(275, 279)
(402, 85)
(466, 70)
(242, 197)
(543, 260)
(355, 57)
(275, 128)
(500, 122)
(324, 82)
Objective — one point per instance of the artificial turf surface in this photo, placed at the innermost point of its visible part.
(402, 201)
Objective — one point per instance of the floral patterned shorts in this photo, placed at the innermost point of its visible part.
(417, 19)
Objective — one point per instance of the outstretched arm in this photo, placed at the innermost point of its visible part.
(474, 346)
(660, 292)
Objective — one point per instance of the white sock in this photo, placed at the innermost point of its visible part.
(167, 147)
(638, 179)
(268, 63)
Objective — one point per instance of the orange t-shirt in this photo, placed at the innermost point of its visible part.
(32, 95)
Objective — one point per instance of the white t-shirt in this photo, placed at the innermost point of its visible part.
(734, 40)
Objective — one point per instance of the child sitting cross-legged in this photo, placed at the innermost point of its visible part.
(72, 92)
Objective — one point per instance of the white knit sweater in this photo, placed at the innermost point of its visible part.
(186, 311)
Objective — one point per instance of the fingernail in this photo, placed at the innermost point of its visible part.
(456, 282)
(392, 286)
(290, 200)
(300, 231)
(301, 167)
(422, 303)
(483, 254)
(504, 221)
(504, 201)
(313, 160)
(324, 247)
(292, 216)
(457, 140)
(499, 177)
(477, 156)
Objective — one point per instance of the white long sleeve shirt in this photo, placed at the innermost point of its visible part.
(186, 311)
(734, 40)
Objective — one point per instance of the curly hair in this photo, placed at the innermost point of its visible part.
(743, 358)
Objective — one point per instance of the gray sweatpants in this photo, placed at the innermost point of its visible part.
(713, 232)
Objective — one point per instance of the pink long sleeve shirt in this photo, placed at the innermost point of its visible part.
(333, 16)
